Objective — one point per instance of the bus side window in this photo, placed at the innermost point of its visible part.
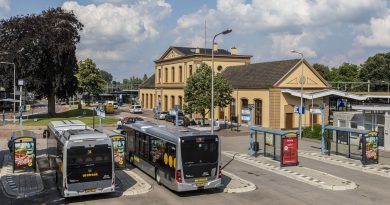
(145, 143)
(137, 143)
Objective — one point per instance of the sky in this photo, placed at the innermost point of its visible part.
(124, 37)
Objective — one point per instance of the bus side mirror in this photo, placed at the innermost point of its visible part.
(46, 134)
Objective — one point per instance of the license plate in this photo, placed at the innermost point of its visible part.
(200, 184)
(90, 190)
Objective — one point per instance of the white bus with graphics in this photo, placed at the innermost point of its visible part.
(82, 158)
(181, 159)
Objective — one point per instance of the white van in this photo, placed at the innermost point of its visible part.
(136, 109)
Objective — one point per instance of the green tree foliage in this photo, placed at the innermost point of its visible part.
(347, 73)
(43, 48)
(106, 76)
(90, 80)
(324, 70)
(197, 93)
(376, 68)
(145, 77)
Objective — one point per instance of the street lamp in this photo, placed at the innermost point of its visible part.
(301, 81)
(9, 63)
(212, 77)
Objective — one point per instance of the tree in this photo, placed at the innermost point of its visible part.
(43, 48)
(197, 93)
(376, 68)
(90, 80)
(347, 73)
(106, 76)
(324, 70)
(145, 78)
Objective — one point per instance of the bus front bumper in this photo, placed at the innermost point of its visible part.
(192, 186)
(68, 193)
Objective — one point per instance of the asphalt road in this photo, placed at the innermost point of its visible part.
(272, 188)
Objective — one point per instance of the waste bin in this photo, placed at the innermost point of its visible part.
(23, 149)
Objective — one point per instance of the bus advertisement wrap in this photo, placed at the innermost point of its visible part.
(290, 152)
(24, 153)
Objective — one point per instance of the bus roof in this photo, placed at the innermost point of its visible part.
(67, 125)
(171, 134)
(84, 134)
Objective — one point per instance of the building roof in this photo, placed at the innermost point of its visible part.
(207, 51)
(258, 75)
(149, 83)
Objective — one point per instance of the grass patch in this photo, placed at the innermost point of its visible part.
(76, 114)
(108, 121)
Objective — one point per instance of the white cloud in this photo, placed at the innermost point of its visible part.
(5, 5)
(110, 30)
(282, 44)
(378, 33)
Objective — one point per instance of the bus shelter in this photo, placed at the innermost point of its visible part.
(119, 144)
(355, 143)
(23, 149)
(277, 144)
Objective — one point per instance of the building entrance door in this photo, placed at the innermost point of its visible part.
(258, 113)
(289, 121)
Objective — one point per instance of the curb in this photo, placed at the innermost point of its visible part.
(9, 184)
(249, 186)
(145, 187)
(295, 175)
(349, 165)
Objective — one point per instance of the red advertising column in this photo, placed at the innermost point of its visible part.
(290, 150)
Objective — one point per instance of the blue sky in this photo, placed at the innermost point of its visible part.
(125, 36)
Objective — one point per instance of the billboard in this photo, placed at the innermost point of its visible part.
(290, 150)
(119, 143)
(24, 153)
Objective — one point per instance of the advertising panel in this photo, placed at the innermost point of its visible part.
(371, 149)
(24, 153)
(290, 151)
(119, 150)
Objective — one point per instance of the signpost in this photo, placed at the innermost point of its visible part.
(245, 114)
(119, 143)
(21, 83)
(101, 113)
(251, 106)
(322, 108)
(177, 108)
(296, 109)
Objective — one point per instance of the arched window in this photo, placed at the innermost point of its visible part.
(166, 75)
(180, 74)
(190, 70)
(173, 74)
(232, 108)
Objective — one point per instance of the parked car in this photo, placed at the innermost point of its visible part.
(160, 115)
(136, 109)
(171, 116)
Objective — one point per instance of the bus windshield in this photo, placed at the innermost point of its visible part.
(87, 164)
(199, 151)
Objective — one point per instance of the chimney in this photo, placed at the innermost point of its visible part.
(215, 47)
(233, 51)
(197, 50)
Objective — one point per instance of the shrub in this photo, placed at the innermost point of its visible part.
(313, 134)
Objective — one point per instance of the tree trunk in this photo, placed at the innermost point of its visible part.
(51, 105)
(203, 117)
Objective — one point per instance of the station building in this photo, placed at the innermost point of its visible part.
(270, 86)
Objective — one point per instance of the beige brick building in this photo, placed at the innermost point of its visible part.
(266, 85)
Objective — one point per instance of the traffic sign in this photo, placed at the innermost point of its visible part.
(28, 107)
(296, 109)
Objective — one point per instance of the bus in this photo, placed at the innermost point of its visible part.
(81, 157)
(179, 158)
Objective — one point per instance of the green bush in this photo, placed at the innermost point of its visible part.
(315, 133)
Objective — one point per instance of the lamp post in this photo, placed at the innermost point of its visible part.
(301, 81)
(9, 63)
(212, 77)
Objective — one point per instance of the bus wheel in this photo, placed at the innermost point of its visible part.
(158, 177)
